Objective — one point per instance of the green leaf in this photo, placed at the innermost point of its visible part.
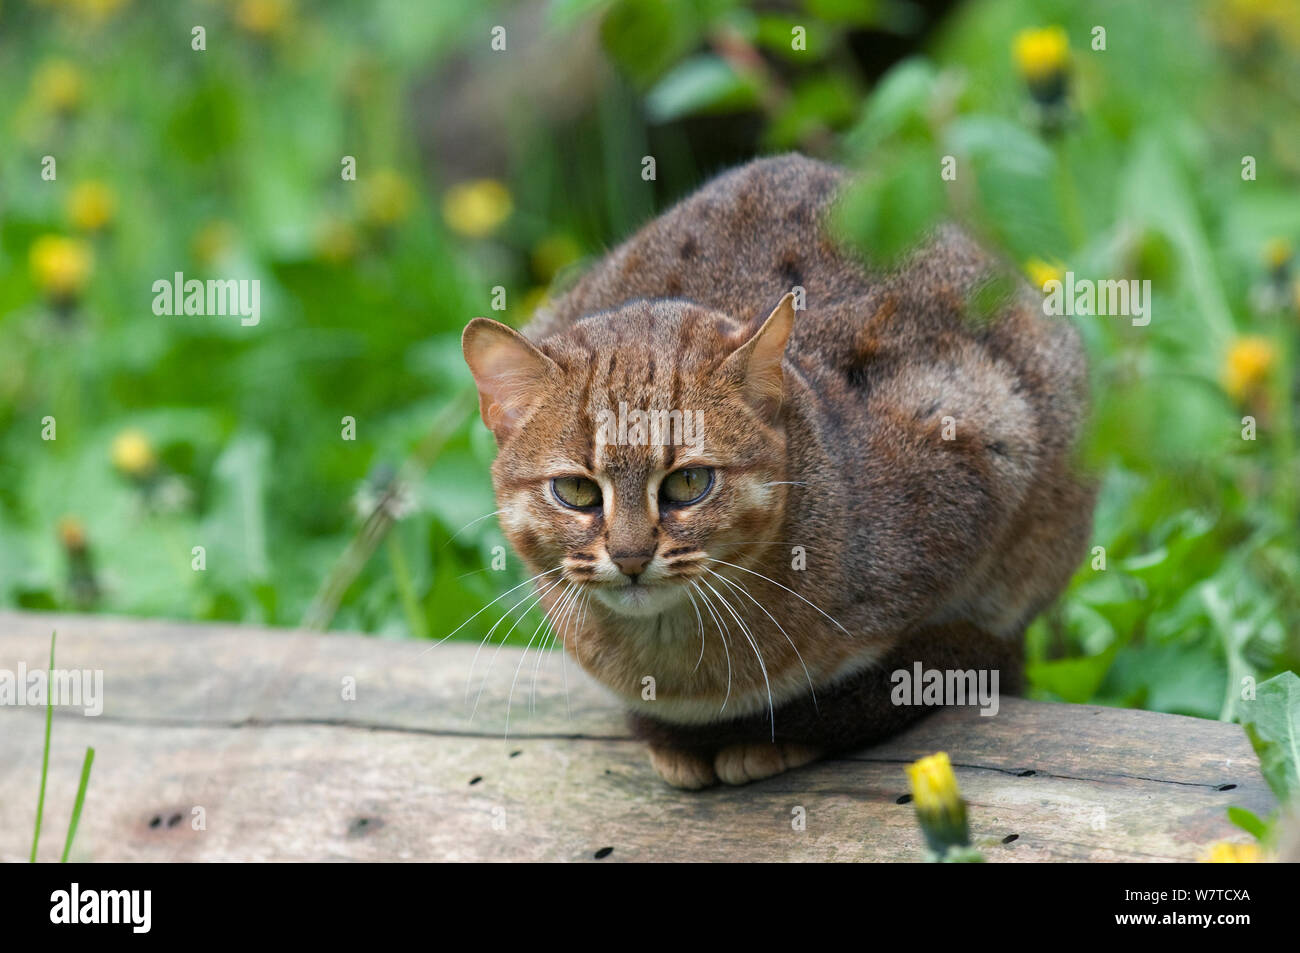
(897, 107)
(701, 84)
(1249, 822)
(1072, 679)
(1273, 719)
(896, 204)
(645, 36)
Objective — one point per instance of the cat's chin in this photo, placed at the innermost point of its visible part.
(640, 601)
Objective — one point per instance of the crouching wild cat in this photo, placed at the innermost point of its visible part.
(876, 479)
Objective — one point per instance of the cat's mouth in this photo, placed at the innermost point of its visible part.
(640, 599)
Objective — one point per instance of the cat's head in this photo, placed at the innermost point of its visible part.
(636, 445)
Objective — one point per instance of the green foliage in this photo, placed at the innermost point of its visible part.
(1273, 720)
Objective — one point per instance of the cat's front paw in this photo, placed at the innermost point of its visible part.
(740, 764)
(683, 769)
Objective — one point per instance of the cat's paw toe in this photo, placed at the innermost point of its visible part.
(740, 764)
(683, 769)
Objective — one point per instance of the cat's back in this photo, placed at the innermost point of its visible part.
(750, 235)
(736, 246)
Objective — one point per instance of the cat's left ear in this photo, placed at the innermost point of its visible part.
(509, 371)
(756, 364)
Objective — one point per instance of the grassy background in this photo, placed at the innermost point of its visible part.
(176, 432)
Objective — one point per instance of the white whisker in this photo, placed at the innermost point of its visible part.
(518, 668)
(486, 607)
(534, 600)
(744, 629)
(541, 653)
(786, 588)
(700, 620)
(480, 519)
(745, 592)
(718, 624)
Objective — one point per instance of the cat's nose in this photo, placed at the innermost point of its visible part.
(632, 564)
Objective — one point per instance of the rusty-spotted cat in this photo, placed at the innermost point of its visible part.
(768, 510)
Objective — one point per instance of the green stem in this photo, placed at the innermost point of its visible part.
(1069, 193)
(76, 806)
(45, 758)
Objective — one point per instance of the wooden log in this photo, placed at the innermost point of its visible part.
(250, 730)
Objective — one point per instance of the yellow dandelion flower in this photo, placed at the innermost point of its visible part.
(476, 209)
(1041, 53)
(57, 85)
(1277, 252)
(940, 809)
(1248, 365)
(97, 9)
(1227, 852)
(337, 241)
(60, 266)
(212, 241)
(934, 787)
(1242, 24)
(387, 198)
(1040, 272)
(263, 17)
(91, 206)
(133, 454)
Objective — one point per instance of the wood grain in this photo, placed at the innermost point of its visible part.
(250, 726)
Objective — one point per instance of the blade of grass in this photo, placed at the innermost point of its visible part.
(45, 758)
(406, 589)
(76, 807)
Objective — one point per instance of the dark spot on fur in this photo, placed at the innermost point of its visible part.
(862, 375)
(585, 557)
(790, 271)
(801, 213)
(679, 551)
(689, 248)
(673, 285)
(998, 447)
(613, 362)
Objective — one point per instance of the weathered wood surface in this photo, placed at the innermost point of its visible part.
(250, 725)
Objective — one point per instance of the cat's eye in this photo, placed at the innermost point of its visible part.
(577, 492)
(687, 486)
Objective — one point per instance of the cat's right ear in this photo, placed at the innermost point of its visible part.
(509, 372)
(756, 364)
